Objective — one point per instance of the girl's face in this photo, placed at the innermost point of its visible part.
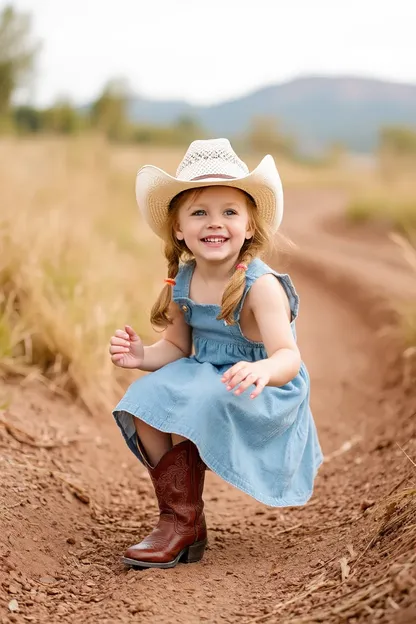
(215, 223)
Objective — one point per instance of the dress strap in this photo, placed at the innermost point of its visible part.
(183, 279)
(256, 269)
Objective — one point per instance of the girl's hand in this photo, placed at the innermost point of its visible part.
(246, 374)
(126, 348)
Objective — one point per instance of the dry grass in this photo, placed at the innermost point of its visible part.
(347, 588)
(76, 262)
(397, 213)
(387, 196)
(408, 314)
(391, 202)
(74, 265)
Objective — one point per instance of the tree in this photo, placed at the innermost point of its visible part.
(264, 136)
(109, 111)
(27, 119)
(17, 54)
(62, 118)
(186, 129)
(398, 140)
(397, 152)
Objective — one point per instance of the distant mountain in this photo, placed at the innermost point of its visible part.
(316, 110)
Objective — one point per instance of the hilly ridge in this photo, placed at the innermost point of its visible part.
(318, 111)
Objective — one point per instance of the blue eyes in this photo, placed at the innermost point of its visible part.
(198, 213)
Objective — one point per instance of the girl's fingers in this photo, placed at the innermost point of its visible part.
(260, 385)
(119, 341)
(237, 378)
(120, 333)
(117, 357)
(227, 374)
(248, 381)
(131, 333)
(231, 371)
(118, 349)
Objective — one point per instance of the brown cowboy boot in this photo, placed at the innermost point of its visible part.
(180, 534)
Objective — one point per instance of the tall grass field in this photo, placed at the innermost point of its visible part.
(76, 261)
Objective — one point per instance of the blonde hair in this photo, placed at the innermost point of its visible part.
(176, 250)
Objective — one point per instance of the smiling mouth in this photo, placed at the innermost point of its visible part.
(214, 240)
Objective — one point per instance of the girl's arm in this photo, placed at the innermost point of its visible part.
(269, 304)
(175, 344)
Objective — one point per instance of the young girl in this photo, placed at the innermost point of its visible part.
(240, 404)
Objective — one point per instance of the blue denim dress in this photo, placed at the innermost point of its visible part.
(267, 446)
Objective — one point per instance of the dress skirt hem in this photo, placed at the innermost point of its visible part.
(213, 463)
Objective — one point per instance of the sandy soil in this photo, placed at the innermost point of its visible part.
(72, 497)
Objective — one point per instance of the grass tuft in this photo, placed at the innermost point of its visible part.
(66, 281)
(399, 214)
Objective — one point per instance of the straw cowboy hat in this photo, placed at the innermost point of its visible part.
(209, 163)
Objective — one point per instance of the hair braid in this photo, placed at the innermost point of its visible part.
(234, 291)
(252, 248)
(159, 315)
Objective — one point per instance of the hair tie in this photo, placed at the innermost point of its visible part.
(170, 281)
(242, 266)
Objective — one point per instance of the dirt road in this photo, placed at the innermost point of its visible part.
(69, 508)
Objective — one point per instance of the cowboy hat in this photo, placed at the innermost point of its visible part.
(209, 163)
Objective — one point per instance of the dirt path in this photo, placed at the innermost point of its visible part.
(69, 511)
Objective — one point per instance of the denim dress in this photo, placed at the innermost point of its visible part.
(267, 446)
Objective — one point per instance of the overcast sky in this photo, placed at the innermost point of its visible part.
(206, 51)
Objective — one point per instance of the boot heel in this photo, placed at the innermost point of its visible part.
(195, 552)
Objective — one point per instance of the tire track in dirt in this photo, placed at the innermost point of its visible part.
(60, 556)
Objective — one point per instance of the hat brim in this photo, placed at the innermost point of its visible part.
(155, 189)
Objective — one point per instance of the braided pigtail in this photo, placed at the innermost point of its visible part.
(252, 248)
(234, 290)
(159, 315)
(175, 250)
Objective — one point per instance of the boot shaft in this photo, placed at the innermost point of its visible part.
(178, 480)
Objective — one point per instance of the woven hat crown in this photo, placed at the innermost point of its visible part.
(214, 157)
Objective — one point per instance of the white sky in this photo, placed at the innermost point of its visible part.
(206, 51)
